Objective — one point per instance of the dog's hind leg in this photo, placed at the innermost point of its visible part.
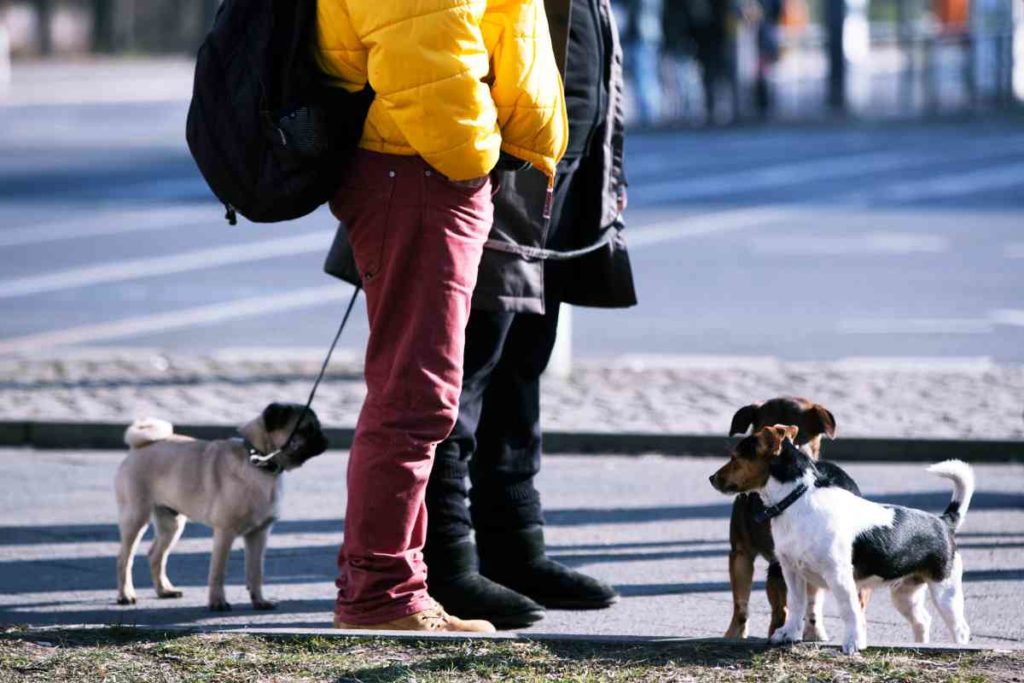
(132, 524)
(909, 601)
(844, 587)
(741, 578)
(222, 540)
(775, 587)
(948, 597)
(814, 629)
(169, 524)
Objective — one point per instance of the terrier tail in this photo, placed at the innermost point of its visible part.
(146, 431)
(962, 476)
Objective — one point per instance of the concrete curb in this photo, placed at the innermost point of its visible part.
(757, 644)
(109, 436)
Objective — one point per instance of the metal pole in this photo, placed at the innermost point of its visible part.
(835, 20)
(560, 364)
(5, 58)
(103, 29)
(44, 32)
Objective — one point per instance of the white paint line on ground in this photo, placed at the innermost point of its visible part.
(891, 243)
(1014, 250)
(1008, 316)
(914, 326)
(987, 325)
(675, 188)
(164, 265)
(189, 317)
(956, 184)
(706, 224)
(114, 223)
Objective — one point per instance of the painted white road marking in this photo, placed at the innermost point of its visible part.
(1015, 250)
(866, 243)
(676, 188)
(1008, 316)
(956, 184)
(914, 326)
(190, 317)
(706, 224)
(117, 271)
(986, 325)
(113, 223)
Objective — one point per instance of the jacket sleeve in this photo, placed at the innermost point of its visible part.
(526, 86)
(427, 63)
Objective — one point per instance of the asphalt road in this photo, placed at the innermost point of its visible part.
(652, 526)
(797, 242)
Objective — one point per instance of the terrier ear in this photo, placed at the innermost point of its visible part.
(820, 420)
(743, 419)
(789, 432)
(770, 440)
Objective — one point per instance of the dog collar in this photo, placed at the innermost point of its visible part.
(256, 458)
(774, 511)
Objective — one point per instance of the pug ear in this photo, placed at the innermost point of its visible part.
(821, 421)
(743, 418)
(256, 432)
(275, 416)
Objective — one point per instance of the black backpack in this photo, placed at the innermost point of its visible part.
(266, 130)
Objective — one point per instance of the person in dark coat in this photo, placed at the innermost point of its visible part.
(496, 444)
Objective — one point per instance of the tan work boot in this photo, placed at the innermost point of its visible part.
(433, 619)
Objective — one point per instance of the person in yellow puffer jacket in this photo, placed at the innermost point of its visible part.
(459, 85)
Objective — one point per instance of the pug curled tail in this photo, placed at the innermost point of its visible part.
(147, 430)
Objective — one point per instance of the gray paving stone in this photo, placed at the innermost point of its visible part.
(689, 395)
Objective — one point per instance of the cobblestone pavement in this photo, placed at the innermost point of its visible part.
(652, 526)
(685, 395)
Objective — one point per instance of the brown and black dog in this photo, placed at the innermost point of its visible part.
(748, 538)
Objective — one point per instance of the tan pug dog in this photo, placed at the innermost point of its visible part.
(230, 485)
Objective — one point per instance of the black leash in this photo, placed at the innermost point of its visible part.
(263, 460)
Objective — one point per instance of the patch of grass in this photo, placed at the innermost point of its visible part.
(124, 654)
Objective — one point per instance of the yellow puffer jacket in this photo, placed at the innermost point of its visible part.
(455, 80)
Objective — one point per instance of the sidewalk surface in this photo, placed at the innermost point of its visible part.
(652, 526)
(666, 395)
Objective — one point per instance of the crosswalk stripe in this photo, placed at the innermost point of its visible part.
(308, 297)
(116, 271)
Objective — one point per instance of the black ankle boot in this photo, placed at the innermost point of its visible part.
(453, 580)
(516, 559)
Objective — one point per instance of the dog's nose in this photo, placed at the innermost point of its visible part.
(712, 480)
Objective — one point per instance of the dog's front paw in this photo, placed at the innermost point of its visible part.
(126, 599)
(852, 645)
(169, 595)
(785, 635)
(220, 606)
(263, 605)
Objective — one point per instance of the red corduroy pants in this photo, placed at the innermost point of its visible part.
(417, 240)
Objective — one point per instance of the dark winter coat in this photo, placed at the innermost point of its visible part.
(514, 281)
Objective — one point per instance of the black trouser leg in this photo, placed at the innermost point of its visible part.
(452, 576)
(508, 436)
(448, 517)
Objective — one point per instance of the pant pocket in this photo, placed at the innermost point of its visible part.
(367, 219)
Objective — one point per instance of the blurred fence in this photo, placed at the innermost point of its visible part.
(688, 61)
